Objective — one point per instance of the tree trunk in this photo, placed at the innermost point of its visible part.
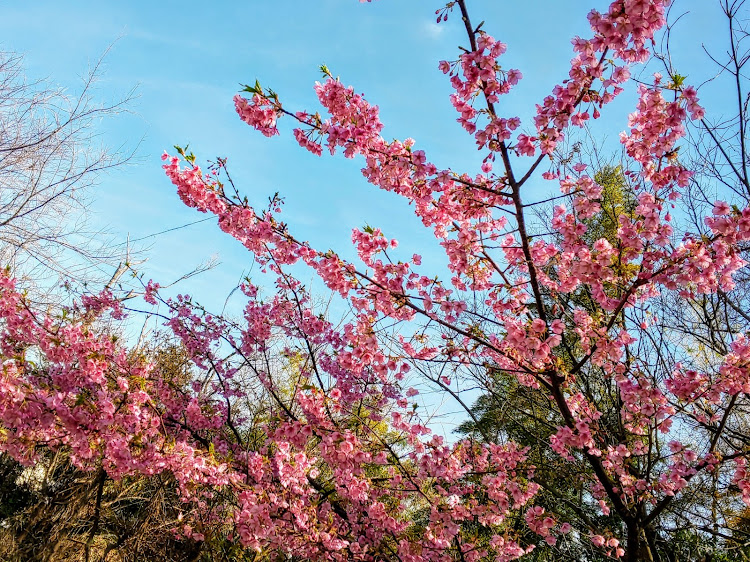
(637, 548)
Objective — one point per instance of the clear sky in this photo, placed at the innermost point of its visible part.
(188, 58)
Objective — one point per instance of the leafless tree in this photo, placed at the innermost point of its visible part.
(50, 158)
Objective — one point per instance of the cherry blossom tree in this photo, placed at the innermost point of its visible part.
(336, 464)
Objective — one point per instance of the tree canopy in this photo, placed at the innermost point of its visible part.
(602, 332)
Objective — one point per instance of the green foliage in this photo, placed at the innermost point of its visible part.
(617, 199)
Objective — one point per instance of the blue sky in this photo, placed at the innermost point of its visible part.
(188, 58)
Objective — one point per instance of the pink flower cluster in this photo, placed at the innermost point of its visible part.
(655, 128)
(259, 112)
(479, 72)
(65, 385)
(624, 31)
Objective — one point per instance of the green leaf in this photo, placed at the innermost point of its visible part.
(677, 81)
(256, 89)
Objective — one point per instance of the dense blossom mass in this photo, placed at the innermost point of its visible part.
(341, 465)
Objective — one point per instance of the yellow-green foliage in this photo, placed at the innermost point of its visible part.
(617, 199)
